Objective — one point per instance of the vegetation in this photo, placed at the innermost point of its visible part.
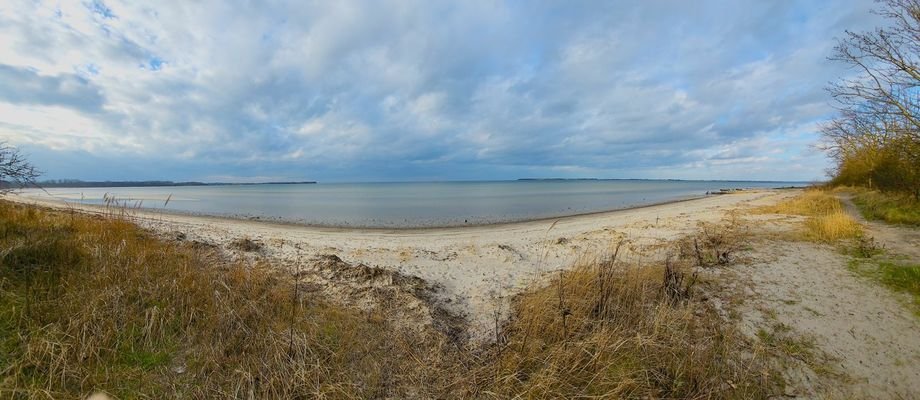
(15, 170)
(894, 274)
(889, 207)
(612, 330)
(876, 138)
(93, 304)
(827, 221)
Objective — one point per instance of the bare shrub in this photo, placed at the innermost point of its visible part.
(15, 170)
(714, 243)
(246, 244)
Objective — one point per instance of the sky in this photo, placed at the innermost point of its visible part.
(421, 90)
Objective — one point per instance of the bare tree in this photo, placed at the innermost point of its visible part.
(15, 170)
(876, 137)
(888, 63)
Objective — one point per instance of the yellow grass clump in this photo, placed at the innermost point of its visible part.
(827, 221)
(832, 227)
(812, 202)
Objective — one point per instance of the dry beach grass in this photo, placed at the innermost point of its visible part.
(689, 300)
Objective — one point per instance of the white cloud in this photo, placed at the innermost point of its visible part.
(372, 89)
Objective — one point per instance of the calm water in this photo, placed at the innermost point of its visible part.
(418, 204)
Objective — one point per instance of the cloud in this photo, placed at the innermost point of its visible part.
(25, 86)
(397, 90)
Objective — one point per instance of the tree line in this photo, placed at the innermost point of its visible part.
(875, 138)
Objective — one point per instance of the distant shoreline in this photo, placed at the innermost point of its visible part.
(663, 180)
(331, 206)
(153, 213)
(64, 184)
(130, 184)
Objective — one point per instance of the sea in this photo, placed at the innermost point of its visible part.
(404, 204)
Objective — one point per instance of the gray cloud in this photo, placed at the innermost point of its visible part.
(26, 86)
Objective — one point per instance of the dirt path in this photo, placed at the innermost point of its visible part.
(846, 336)
(900, 240)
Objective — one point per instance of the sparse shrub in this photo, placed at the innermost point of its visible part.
(714, 244)
(677, 284)
(865, 247)
(246, 244)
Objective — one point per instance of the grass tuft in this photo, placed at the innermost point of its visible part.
(832, 227)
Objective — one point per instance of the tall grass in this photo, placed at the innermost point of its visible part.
(827, 221)
(611, 329)
(93, 304)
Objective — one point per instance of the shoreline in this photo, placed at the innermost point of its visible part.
(476, 267)
(152, 212)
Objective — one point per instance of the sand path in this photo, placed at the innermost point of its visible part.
(867, 330)
(901, 240)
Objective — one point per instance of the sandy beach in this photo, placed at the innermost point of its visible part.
(477, 268)
(460, 281)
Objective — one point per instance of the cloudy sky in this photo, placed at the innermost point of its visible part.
(420, 90)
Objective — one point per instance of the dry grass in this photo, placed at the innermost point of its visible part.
(831, 227)
(91, 304)
(827, 221)
(94, 304)
(612, 329)
(811, 202)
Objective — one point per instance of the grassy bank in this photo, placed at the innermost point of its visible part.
(93, 304)
(889, 207)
